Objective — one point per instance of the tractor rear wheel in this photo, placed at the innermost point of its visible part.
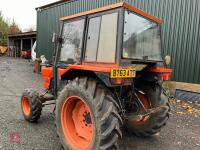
(31, 105)
(87, 116)
(151, 124)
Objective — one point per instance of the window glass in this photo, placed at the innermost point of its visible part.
(92, 39)
(101, 40)
(72, 41)
(141, 38)
(108, 37)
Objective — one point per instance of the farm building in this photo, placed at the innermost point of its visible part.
(19, 42)
(180, 30)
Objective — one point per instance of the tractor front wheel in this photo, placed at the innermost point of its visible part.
(31, 105)
(87, 116)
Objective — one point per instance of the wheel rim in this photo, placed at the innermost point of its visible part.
(26, 106)
(77, 123)
(147, 104)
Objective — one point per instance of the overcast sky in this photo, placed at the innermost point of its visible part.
(23, 11)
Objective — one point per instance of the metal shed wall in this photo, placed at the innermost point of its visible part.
(181, 32)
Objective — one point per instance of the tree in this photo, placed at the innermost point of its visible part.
(14, 28)
(7, 28)
(4, 27)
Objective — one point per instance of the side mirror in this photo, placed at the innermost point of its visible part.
(167, 60)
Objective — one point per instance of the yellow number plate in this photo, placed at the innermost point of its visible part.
(123, 73)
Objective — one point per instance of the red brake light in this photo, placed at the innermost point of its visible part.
(165, 77)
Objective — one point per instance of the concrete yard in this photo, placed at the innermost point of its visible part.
(181, 133)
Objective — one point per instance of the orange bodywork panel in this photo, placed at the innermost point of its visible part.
(116, 5)
(160, 70)
(47, 72)
(89, 67)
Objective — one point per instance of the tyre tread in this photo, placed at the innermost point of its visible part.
(100, 97)
(35, 104)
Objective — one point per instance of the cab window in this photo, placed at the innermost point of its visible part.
(142, 38)
(101, 38)
(72, 41)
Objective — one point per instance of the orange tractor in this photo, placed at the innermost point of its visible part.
(107, 73)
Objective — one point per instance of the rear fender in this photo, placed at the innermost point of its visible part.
(63, 74)
(73, 73)
(154, 74)
(163, 73)
(98, 71)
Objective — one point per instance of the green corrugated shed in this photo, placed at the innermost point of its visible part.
(181, 29)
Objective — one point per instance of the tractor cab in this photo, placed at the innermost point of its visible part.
(107, 71)
(111, 35)
(115, 42)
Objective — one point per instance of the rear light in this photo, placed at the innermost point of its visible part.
(160, 70)
(117, 81)
(165, 77)
(165, 73)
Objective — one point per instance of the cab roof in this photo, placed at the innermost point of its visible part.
(109, 7)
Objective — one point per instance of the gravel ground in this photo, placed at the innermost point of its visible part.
(181, 133)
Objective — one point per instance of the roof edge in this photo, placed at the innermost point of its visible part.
(115, 5)
(23, 33)
(142, 12)
(52, 4)
(100, 9)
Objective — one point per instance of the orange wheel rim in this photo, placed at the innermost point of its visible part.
(77, 123)
(147, 104)
(26, 106)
